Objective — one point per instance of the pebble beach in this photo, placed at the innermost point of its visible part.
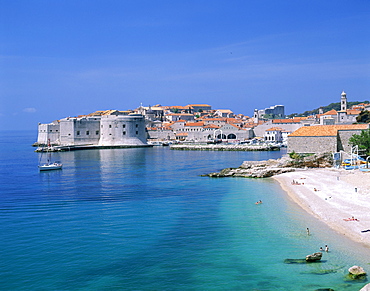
(338, 197)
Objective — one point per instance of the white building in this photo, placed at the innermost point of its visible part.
(102, 128)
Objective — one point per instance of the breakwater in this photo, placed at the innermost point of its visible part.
(222, 147)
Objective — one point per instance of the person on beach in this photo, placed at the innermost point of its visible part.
(326, 248)
(308, 231)
(321, 249)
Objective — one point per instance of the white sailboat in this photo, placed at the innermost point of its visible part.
(48, 166)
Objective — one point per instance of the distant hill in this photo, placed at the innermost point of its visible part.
(335, 106)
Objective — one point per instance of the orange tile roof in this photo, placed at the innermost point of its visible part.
(211, 126)
(194, 124)
(331, 112)
(199, 105)
(233, 120)
(326, 130)
(353, 112)
(275, 129)
(181, 134)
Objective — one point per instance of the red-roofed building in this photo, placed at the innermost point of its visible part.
(323, 138)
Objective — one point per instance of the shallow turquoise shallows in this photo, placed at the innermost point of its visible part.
(145, 219)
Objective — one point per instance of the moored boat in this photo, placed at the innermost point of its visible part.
(49, 166)
(52, 166)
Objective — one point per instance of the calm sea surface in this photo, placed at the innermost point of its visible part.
(144, 219)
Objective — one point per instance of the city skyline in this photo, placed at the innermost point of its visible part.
(68, 58)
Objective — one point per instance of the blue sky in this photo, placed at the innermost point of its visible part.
(66, 58)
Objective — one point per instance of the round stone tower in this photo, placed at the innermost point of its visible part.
(121, 130)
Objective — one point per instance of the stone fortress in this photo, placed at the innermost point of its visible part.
(111, 128)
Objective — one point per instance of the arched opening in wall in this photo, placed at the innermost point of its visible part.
(209, 136)
(231, 136)
(221, 136)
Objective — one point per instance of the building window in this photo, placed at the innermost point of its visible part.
(87, 132)
(51, 130)
(124, 133)
(110, 125)
(97, 132)
(78, 132)
(137, 125)
(137, 132)
(124, 125)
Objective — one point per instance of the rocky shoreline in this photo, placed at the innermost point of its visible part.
(263, 169)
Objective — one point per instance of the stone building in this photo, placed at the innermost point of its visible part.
(101, 128)
(323, 138)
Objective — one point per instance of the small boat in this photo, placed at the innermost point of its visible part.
(51, 166)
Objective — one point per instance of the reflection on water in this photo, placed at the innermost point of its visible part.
(144, 219)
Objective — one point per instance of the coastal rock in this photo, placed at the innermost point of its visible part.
(366, 288)
(356, 273)
(263, 169)
(314, 257)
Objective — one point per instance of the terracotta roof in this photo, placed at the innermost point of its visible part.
(353, 112)
(181, 134)
(199, 105)
(211, 126)
(326, 130)
(275, 129)
(194, 124)
(299, 118)
(233, 120)
(331, 112)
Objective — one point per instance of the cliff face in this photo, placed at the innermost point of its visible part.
(263, 169)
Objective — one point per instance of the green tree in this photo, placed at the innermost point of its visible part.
(363, 117)
(362, 140)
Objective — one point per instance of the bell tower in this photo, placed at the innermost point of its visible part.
(343, 101)
(256, 116)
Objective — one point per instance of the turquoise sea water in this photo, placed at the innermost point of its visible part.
(144, 219)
